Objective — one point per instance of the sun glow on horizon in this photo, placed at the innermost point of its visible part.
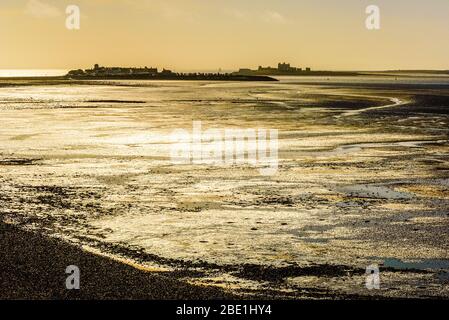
(4, 73)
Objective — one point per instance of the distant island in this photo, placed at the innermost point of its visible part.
(244, 74)
(284, 69)
(112, 73)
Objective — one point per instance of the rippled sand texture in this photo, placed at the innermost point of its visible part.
(363, 179)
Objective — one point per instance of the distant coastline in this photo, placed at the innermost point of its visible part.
(285, 69)
(120, 73)
(243, 74)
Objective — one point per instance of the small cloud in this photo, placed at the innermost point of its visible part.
(237, 14)
(39, 9)
(266, 16)
(273, 17)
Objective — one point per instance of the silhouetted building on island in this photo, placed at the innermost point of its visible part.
(282, 69)
(245, 71)
(285, 67)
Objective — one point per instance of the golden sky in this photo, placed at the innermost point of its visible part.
(228, 34)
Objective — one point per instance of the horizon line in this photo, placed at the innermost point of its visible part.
(226, 69)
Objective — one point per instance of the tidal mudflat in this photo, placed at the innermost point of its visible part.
(363, 179)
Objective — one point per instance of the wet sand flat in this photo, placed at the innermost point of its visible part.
(363, 179)
(33, 267)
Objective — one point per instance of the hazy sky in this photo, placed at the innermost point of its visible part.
(227, 34)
